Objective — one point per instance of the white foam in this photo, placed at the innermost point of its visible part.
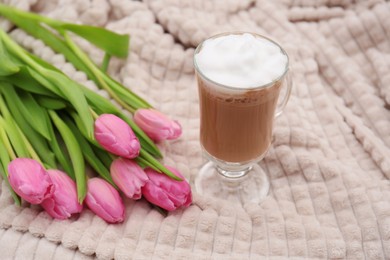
(241, 60)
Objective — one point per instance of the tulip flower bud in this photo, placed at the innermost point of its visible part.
(165, 192)
(157, 125)
(105, 201)
(129, 177)
(116, 136)
(29, 180)
(63, 203)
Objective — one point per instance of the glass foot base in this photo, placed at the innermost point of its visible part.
(253, 186)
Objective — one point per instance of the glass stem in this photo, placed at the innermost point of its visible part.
(233, 175)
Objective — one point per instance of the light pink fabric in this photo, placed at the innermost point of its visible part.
(329, 164)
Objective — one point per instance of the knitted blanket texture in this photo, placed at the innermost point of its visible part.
(329, 163)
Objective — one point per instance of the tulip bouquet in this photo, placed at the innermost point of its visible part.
(52, 129)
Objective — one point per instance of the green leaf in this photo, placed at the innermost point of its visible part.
(129, 97)
(69, 90)
(19, 141)
(38, 117)
(28, 145)
(105, 157)
(77, 119)
(98, 103)
(37, 141)
(6, 143)
(42, 63)
(7, 66)
(10, 12)
(54, 80)
(34, 28)
(25, 81)
(110, 42)
(30, 22)
(50, 103)
(15, 196)
(14, 137)
(32, 113)
(75, 154)
(54, 41)
(61, 154)
(4, 161)
(162, 211)
(145, 163)
(44, 80)
(161, 168)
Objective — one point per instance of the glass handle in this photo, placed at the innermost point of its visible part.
(283, 104)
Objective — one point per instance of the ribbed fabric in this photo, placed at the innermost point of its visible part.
(329, 164)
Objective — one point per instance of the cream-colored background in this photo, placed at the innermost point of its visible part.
(329, 164)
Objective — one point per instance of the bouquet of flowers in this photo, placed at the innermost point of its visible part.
(52, 128)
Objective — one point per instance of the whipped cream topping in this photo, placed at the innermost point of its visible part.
(241, 60)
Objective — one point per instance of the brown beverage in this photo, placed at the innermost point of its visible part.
(236, 124)
(239, 78)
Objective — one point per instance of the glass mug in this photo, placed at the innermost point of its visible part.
(236, 133)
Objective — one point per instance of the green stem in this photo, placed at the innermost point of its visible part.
(52, 79)
(19, 52)
(95, 71)
(93, 113)
(3, 107)
(4, 161)
(28, 145)
(160, 210)
(29, 16)
(75, 153)
(4, 110)
(106, 62)
(5, 140)
(146, 156)
(30, 23)
(147, 144)
(34, 28)
(144, 162)
(131, 97)
(12, 122)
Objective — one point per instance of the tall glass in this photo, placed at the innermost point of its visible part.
(236, 132)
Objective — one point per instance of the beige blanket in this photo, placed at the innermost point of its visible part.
(329, 165)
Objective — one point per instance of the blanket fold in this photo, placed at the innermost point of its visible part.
(329, 164)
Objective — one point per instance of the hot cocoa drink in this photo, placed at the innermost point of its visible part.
(236, 127)
(240, 76)
(239, 79)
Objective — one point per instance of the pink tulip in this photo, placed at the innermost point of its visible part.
(29, 180)
(116, 136)
(105, 201)
(129, 177)
(64, 201)
(157, 125)
(165, 192)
